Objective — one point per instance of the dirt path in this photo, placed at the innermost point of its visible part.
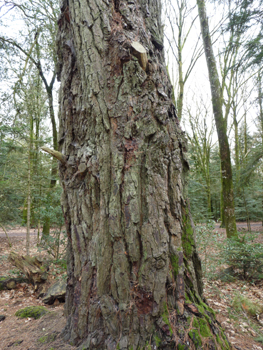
(255, 226)
(18, 232)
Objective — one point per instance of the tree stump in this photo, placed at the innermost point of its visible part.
(32, 267)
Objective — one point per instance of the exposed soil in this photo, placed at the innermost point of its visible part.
(44, 334)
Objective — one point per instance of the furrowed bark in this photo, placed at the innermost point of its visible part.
(134, 277)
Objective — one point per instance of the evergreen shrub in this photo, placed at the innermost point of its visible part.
(245, 256)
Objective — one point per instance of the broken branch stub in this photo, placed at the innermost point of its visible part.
(55, 154)
(140, 52)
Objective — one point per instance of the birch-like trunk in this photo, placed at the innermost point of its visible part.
(134, 276)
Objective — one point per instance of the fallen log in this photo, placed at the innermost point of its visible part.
(32, 267)
(7, 283)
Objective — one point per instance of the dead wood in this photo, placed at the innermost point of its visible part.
(7, 283)
(32, 267)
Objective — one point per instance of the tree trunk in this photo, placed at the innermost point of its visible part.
(260, 103)
(181, 83)
(134, 276)
(28, 223)
(226, 170)
(237, 154)
(54, 166)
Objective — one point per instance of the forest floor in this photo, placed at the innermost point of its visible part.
(231, 301)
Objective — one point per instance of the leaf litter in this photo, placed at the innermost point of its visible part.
(228, 299)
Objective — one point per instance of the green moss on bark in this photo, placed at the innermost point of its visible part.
(227, 346)
(165, 317)
(157, 340)
(181, 347)
(175, 264)
(187, 234)
(204, 328)
(194, 335)
(219, 341)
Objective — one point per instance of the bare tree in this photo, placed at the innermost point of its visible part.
(177, 34)
(221, 125)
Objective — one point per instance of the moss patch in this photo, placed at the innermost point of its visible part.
(204, 328)
(194, 335)
(175, 264)
(187, 234)
(201, 309)
(195, 323)
(165, 317)
(226, 341)
(47, 338)
(32, 312)
(181, 347)
(205, 306)
(157, 340)
(219, 341)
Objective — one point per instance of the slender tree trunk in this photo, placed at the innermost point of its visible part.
(29, 192)
(54, 166)
(180, 96)
(245, 139)
(222, 211)
(134, 277)
(54, 170)
(226, 171)
(208, 190)
(260, 102)
(237, 155)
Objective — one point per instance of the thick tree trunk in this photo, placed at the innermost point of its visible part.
(134, 277)
(226, 169)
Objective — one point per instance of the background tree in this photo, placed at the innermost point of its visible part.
(201, 140)
(178, 31)
(217, 102)
(37, 48)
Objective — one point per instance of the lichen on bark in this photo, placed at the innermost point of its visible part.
(126, 215)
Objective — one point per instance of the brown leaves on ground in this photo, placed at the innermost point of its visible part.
(241, 328)
(27, 334)
(238, 304)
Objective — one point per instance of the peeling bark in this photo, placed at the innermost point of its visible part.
(134, 277)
